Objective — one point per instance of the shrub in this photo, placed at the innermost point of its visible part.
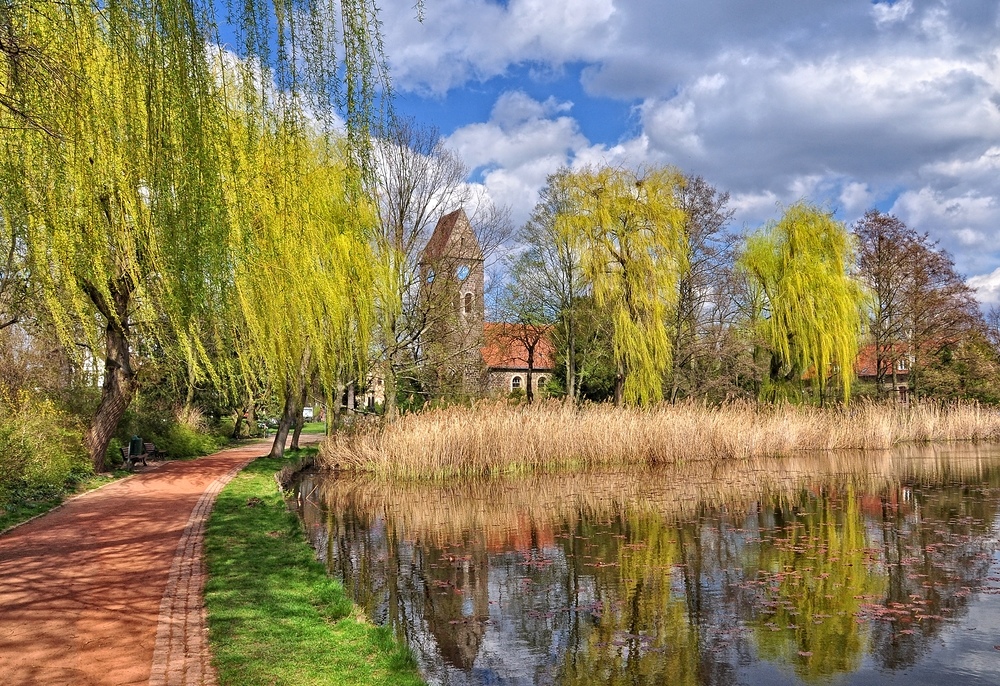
(15, 452)
(40, 444)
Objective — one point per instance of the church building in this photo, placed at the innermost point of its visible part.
(465, 354)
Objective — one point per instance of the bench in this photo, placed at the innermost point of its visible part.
(152, 451)
(129, 460)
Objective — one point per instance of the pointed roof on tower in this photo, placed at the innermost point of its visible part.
(453, 237)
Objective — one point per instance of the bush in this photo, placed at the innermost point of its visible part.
(224, 428)
(181, 440)
(40, 445)
(15, 453)
(179, 432)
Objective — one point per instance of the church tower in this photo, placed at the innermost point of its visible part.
(451, 294)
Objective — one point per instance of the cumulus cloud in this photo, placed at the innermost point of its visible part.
(473, 40)
(966, 224)
(849, 105)
(886, 13)
(523, 142)
(987, 287)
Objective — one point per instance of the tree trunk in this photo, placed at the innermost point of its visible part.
(299, 419)
(530, 391)
(391, 381)
(239, 420)
(284, 424)
(119, 377)
(294, 389)
(191, 384)
(570, 358)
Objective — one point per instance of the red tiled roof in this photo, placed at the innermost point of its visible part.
(505, 348)
(864, 364)
(866, 361)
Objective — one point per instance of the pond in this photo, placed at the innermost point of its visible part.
(837, 568)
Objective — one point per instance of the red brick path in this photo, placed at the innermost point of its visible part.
(107, 588)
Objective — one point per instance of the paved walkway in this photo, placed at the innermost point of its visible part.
(108, 588)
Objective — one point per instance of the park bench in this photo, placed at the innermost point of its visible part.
(129, 459)
(152, 451)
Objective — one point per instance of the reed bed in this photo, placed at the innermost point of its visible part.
(500, 438)
(443, 513)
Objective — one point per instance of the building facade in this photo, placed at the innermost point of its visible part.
(464, 354)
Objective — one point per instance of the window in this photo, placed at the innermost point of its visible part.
(462, 272)
(541, 382)
(468, 303)
(515, 383)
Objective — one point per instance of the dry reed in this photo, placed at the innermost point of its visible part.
(499, 438)
(442, 513)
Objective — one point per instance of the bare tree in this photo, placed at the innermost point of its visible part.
(702, 296)
(940, 309)
(417, 180)
(883, 245)
(525, 328)
(548, 273)
(919, 303)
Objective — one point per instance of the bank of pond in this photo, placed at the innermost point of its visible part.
(857, 567)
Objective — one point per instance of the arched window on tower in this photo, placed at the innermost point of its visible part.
(468, 303)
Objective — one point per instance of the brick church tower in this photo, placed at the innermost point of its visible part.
(451, 293)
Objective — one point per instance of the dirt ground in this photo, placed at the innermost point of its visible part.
(107, 588)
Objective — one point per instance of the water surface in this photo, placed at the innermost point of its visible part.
(846, 569)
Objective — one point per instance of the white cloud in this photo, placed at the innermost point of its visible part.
(847, 105)
(516, 107)
(855, 197)
(524, 141)
(474, 40)
(967, 224)
(886, 13)
(987, 287)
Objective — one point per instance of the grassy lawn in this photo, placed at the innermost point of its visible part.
(314, 427)
(274, 616)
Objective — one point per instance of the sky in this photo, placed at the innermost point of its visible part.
(848, 104)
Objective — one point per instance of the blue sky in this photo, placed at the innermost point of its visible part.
(846, 103)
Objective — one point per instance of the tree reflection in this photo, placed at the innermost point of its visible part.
(650, 578)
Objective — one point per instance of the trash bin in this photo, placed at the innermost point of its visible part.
(135, 446)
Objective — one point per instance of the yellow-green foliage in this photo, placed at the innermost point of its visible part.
(497, 438)
(633, 252)
(112, 179)
(39, 443)
(811, 307)
(303, 265)
(146, 178)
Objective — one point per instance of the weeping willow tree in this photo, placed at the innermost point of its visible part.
(809, 307)
(633, 253)
(116, 136)
(303, 265)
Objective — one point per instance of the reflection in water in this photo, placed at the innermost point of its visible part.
(862, 567)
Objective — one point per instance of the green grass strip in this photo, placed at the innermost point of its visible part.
(274, 616)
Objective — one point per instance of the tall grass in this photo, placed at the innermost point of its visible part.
(499, 438)
(443, 513)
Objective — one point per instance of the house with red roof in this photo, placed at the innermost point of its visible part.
(518, 357)
(464, 353)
